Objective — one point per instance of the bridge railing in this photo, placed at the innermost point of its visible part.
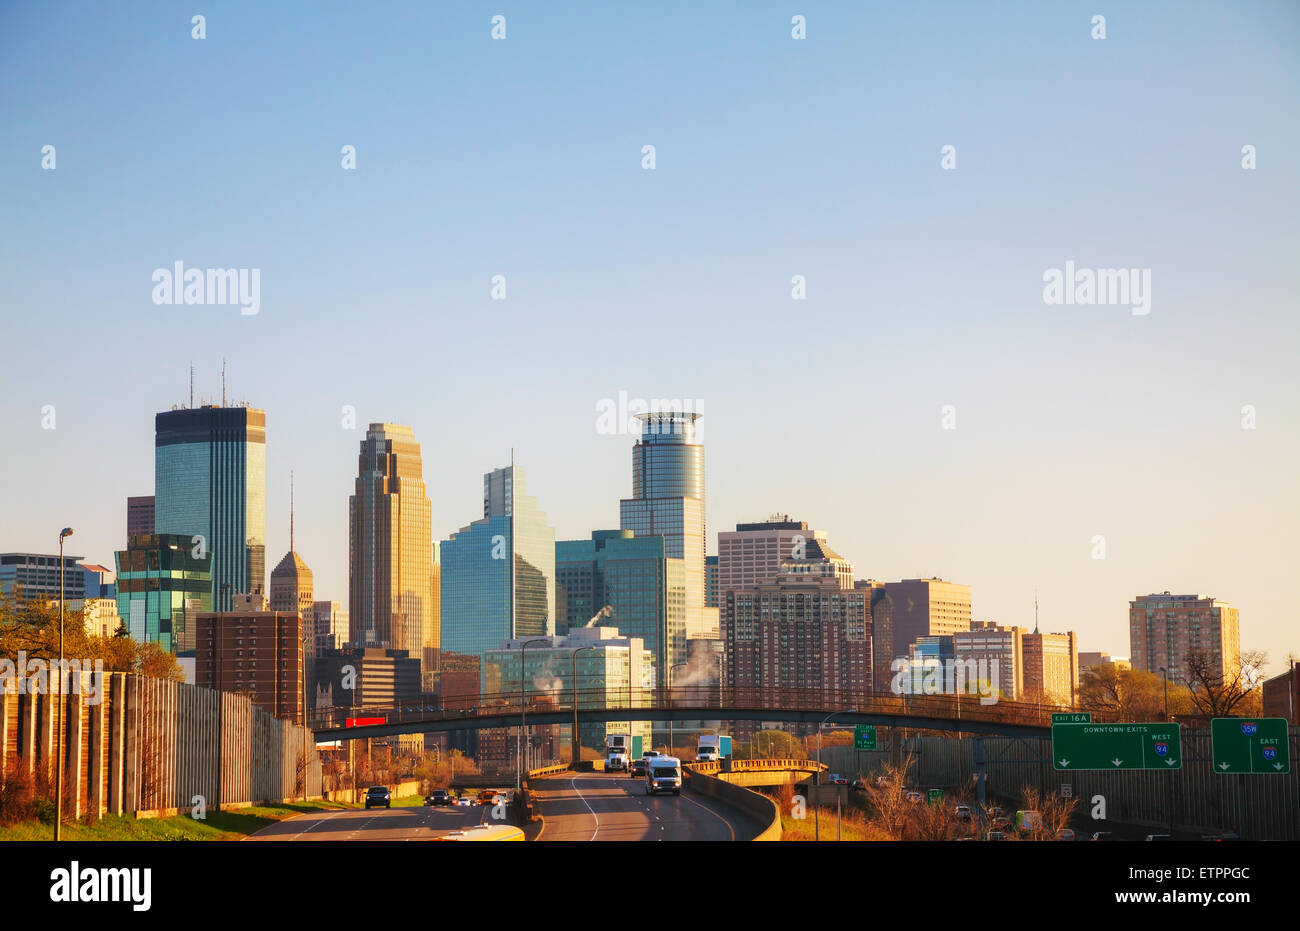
(471, 707)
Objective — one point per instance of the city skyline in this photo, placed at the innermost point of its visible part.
(922, 402)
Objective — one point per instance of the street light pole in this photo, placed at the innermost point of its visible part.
(523, 711)
(58, 763)
(1165, 676)
(817, 776)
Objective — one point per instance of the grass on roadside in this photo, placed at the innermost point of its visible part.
(218, 825)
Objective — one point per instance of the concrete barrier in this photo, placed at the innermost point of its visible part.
(759, 807)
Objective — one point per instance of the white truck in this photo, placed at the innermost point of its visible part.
(712, 748)
(618, 752)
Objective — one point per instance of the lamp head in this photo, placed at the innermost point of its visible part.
(65, 532)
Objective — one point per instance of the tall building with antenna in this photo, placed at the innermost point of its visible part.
(391, 569)
(210, 487)
(291, 590)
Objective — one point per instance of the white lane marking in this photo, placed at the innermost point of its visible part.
(730, 829)
(574, 783)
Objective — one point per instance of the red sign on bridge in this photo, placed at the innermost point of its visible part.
(361, 722)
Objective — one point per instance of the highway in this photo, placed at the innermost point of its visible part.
(613, 807)
(377, 824)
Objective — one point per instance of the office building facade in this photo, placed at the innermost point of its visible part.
(498, 573)
(391, 567)
(163, 585)
(990, 643)
(753, 553)
(139, 515)
(1051, 668)
(926, 608)
(210, 488)
(645, 588)
(668, 499)
(35, 577)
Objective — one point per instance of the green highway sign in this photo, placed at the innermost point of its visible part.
(864, 737)
(1250, 745)
(1071, 717)
(934, 796)
(1117, 746)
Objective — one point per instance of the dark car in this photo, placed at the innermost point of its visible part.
(638, 767)
(378, 795)
(439, 797)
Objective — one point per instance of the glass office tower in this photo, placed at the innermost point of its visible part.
(668, 499)
(391, 580)
(645, 587)
(162, 587)
(210, 481)
(498, 574)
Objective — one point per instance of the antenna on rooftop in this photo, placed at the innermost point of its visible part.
(223, 382)
(191, 385)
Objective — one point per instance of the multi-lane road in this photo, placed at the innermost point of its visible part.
(585, 807)
(611, 806)
(386, 824)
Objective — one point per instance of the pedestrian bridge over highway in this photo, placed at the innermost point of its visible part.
(952, 713)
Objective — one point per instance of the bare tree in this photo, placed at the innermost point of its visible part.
(1054, 813)
(1216, 692)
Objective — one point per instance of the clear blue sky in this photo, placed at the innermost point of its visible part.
(775, 158)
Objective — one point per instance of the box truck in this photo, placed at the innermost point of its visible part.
(620, 750)
(712, 748)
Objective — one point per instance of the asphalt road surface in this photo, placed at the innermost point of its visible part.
(612, 806)
(378, 824)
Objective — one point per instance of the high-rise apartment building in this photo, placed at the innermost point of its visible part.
(164, 582)
(254, 652)
(1164, 629)
(753, 553)
(1051, 667)
(498, 573)
(881, 612)
(926, 608)
(139, 515)
(390, 563)
(645, 589)
(376, 676)
(800, 630)
(710, 581)
(990, 643)
(668, 499)
(210, 488)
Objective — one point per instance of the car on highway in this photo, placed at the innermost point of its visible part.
(439, 797)
(962, 812)
(378, 795)
(835, 779)
(500, 798)
(464, 801)
(638, 767)
(1104, 835)
(995, 835)
(1159, 837)
(485, 796)
(1066, 834)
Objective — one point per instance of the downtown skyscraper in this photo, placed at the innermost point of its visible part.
(498, 573)
(668, 500)
(391, 570)
(210, 484)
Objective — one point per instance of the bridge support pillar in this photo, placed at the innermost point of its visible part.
(979, 772)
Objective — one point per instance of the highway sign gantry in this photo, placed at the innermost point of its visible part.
(1250, 745)
(1117, 746)
(864, 737)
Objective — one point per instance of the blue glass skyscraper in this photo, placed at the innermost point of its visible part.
(498, 574)
(210, 482)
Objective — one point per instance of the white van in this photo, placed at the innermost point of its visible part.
(663, 774)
